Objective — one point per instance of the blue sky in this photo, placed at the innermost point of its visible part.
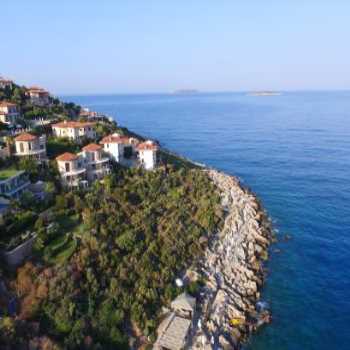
(111, 46)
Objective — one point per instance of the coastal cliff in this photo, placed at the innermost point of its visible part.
(232, 268)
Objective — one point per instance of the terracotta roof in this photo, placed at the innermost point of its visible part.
(36, 89)
(116, 139)
(92, 147)
(72, 124)
(66, 157)
(7, 104)
(148, 146)
(26, 137)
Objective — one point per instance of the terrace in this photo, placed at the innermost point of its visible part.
(13, 182)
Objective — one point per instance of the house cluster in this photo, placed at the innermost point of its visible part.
(93, 162)
(9, 112)
(174, 331)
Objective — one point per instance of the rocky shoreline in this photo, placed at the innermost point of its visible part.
(232, 267)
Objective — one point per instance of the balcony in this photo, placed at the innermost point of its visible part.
(32, 152)
(74, 172)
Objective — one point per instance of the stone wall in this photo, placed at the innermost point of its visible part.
(16, 256)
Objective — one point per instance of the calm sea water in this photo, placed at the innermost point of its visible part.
(293, 150)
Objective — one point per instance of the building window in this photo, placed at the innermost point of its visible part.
(29, 146)
(21, 147)
(67, 167)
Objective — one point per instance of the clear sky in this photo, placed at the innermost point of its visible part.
(111, 46)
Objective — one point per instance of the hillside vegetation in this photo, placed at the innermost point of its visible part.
(136, 233)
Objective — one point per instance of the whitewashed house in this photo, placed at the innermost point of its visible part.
(148, 154)
(120, 147)
(96, 162)
(72, 170)
(75, 131)
(31, 146)
(38, 96)
(4, 83)
(8, 113)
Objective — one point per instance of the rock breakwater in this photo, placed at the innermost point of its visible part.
(232, 267)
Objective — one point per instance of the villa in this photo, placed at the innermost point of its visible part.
(4, 83)
(13, 182)
(31, 146)
(97, 164)
(72, 170)
(8, 113)
(148, 154)
(121, 148)
(38, 96)
(77, 170)
(76, 131)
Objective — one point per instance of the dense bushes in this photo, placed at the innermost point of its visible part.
(141, 230)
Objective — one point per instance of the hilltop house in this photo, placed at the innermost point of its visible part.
(4, 83)
(74, 130)
(31, 146)
(72, 169)
(148, 154)
(121, 148)
(97, 164)
(13, 182)
(38, 96)
(8, 113)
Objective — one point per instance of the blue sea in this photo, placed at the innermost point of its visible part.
(293, 150)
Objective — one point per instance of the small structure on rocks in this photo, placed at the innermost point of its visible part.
(173, 332)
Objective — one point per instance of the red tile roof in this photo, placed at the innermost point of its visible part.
(36, 89)
(66, 157)
(26, 137)
(92, 147)
(72, 124)
(116, 139)
(148, 146)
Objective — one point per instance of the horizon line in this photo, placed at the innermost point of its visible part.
(198, 92)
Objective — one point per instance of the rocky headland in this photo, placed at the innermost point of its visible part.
(232, 267)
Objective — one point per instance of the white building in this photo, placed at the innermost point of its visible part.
(4, 83)
(96, 162)
(8, 113)
(148, 154)
(77, 170)
(74, 130)
(31, 146)
(120, 147)
(72, 169)
(38, 96)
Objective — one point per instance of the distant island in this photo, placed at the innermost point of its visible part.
(186, 92)
(264, 93)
